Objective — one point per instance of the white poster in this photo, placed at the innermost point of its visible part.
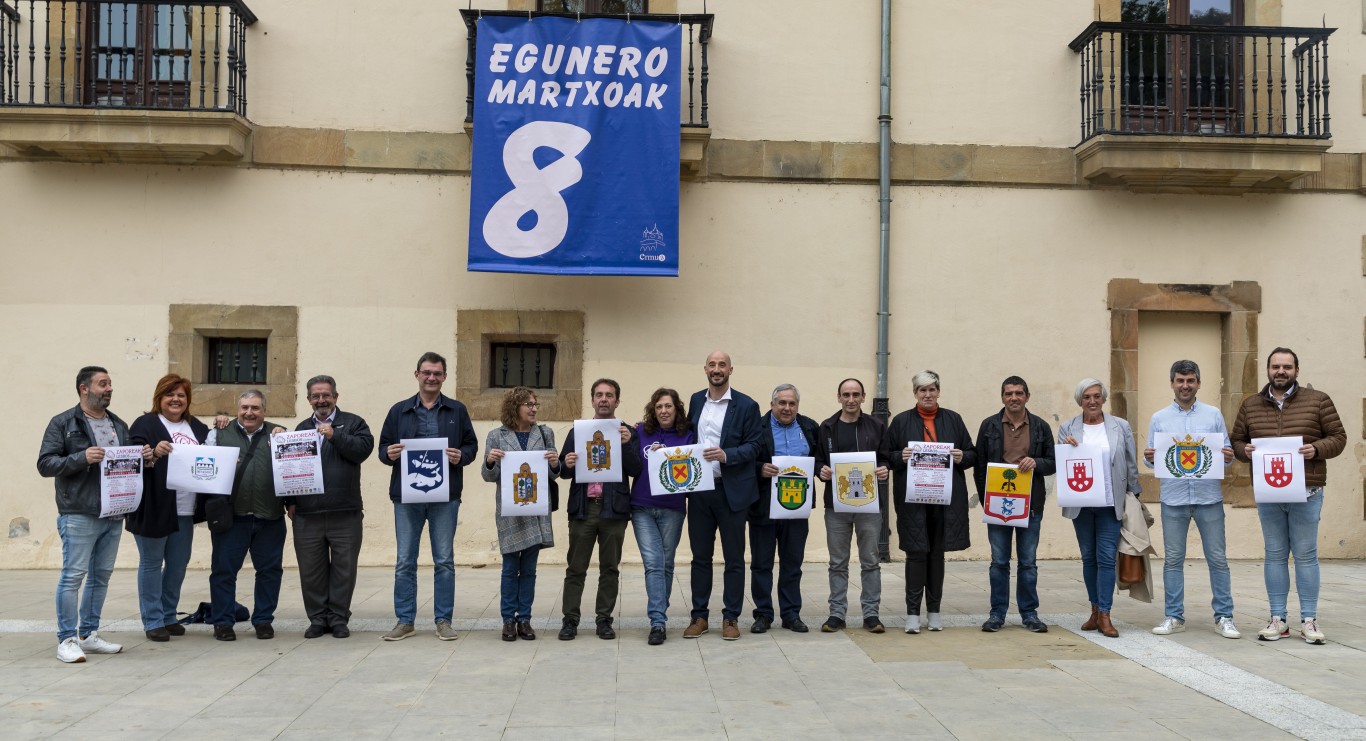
(1082, 475)
(1278, 470)
(929, 473)
(120, 480)
(207, 469)
(678, 470)
(793, 487)
(854, 482)
(295, 461)
(425, 471)
(1197, 455)
(525, 483)
(598, 444)
(1008, 495)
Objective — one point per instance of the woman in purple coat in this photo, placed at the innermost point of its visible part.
(658, 520)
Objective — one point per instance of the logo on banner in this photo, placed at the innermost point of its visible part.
(524, 486)
(424, 469)
(854, 487)
(1189, 458)
(680, 472)
(205, 468)
(1079, 475)
(1278, 470)
(651, 242)
(793, 488)
(599, 453)
(1007, 507)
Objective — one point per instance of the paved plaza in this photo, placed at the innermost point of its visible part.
(959, 683)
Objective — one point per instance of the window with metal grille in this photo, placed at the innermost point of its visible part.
(594, 6)
(530, 364)
(237, 360)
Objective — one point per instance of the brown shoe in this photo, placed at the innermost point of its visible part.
(1107, 628)
(1092, 622)
(697, 627)
(175, 629)
(525, 632)
(730, 630)
(509, 631)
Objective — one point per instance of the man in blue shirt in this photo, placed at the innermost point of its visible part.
(1184, 499)
(789, 433)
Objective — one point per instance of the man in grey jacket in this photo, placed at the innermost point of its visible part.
(73, 446)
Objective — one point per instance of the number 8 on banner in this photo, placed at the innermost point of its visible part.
(536, 189)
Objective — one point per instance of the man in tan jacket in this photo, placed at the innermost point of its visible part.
(1281, 409)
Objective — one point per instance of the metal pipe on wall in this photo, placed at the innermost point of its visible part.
(881, 404)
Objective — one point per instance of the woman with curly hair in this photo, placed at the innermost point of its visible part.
(658, 520)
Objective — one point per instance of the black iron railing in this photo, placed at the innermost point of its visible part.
(1146, 78)
(696, 34)
(132, 54)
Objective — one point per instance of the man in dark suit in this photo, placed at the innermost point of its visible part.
(728, 427)
(789, 433)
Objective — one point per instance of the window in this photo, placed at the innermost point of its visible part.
(137, 55)
(1182, 81)
(237, 360)
(594, 6)
(496, 349)
(530, 364)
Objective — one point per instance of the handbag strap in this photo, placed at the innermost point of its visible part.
(242, 462)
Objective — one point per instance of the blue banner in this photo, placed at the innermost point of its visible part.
(575, 158)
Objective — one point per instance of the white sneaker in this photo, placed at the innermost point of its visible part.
(935, 622)
(1225, 627)
(1274, 630)
(1168, 626)
(70, 651)
(1309, 631)
(93, 644)
(912, 623)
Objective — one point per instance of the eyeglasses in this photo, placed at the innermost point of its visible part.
(319, 397)
(531, 405)
(431, 374)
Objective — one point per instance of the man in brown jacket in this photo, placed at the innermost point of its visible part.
(1284, 409)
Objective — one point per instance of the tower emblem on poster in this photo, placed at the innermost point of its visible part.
(793, 488)
(599, 452)
(1189, 458)
(854, 487)
(1278, 470)
(1079, 474)
(680, 472)
(524, 486)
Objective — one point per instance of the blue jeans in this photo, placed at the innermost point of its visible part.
(161, 571)
(89, 547)
(265, 540)
(1027, 581)
(519, 584)
(1176, 522)
(658, 531)
(1286, 529)
(408, 522)
(1098, 537)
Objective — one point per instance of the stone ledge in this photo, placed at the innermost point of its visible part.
(125, 136)
(1199, 164)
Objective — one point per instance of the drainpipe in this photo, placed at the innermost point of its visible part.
(881, 404)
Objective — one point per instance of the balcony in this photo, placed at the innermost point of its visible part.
(1207, 109)
(695, 132)
(137, 81)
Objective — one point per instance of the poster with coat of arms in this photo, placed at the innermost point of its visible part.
(1007, 496)
(1278, 470)
(678, 470)
(791, 489)
(1197, 455)
(598, 444)
(853, 479)
(1082, 474)
(525, 484)
(206, 469)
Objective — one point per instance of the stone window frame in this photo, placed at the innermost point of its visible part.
(187, 353)
(477, 329)
(1238, 304)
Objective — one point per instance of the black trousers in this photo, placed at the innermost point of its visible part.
(786, 538)
(709, 514)
(327, 546)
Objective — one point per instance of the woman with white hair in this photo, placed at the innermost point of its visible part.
(1098, 527)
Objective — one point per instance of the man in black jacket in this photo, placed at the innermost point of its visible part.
(1015, 436)
(598, 513)
(328, 526)
(789, 433)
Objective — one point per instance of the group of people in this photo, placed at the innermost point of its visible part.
(738, 443)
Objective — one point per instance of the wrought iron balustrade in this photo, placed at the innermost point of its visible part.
(139, 54)
(1221, 81)
(696, 34)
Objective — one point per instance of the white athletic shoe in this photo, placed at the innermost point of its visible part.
(1225, 627)
(912, 623)
(1309, 631)
(70, 651)
(1168, 626)
(1274, 630)
(93, 644)
(935, 622)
